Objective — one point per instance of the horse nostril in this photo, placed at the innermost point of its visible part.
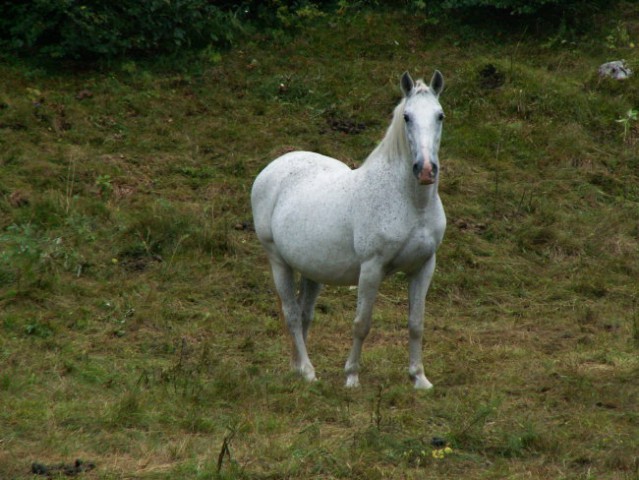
(435, 169)
(417, 168)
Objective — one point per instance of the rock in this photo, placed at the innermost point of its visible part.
(490, 78)
(438, 442)
(244, 226)
(617, 70)
(19, 199)
(82, 94)
(67, 469)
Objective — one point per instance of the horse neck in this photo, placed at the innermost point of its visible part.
(393, 160)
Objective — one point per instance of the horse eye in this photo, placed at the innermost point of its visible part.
(406, 118)
(441, 116)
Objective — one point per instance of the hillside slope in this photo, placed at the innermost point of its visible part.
(139, 324)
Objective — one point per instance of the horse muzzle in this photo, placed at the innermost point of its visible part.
(426, 172)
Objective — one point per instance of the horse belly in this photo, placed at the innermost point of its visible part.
(325, 269)
(312, 229)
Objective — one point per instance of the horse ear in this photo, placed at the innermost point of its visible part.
(406, 83)
(437, 82)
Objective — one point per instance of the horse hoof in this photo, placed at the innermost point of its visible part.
(352, 381)
(422, 383)
(308, 374)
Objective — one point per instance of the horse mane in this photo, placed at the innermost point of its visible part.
(394, 145)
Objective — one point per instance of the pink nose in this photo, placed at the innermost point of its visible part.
(426, 176)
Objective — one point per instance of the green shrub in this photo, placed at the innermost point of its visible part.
(280, 14)
(512, 7)
(30, 258)
(95, 29)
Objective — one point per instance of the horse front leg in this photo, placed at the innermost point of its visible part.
(284, 279)
(370, 278)
(417, 289)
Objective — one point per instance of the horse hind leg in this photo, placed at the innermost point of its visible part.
(309, 291)
(284, 279)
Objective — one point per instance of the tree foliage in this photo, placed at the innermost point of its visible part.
(515, 7)
(94, 29)
(97, 29)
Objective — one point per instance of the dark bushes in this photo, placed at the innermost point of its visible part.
(540, 12)
(95, 29)
(521, 7)
(91, 29)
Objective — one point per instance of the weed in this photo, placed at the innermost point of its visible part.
(635, 322)
(626, 122)
(183, 377)
(520, 442)
(39, 329)
(225, 451)
(469, 434)
(619, 37)
(195, 172)
(28, 259)
(377, 408)
(69, 186)
(128, 412)
(105, 185)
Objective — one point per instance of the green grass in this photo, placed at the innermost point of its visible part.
(139, 326)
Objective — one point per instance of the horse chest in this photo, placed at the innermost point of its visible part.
(418, 247)
(401, 238)
(420, 241)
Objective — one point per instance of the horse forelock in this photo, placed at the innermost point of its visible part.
(420, 87)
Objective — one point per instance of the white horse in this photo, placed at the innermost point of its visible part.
(333, 225)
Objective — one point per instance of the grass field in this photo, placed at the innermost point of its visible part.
(139, 327)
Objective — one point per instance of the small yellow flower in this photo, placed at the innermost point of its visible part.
(448, 450)
(439, 454)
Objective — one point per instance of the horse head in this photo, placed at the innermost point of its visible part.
(423, 118)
